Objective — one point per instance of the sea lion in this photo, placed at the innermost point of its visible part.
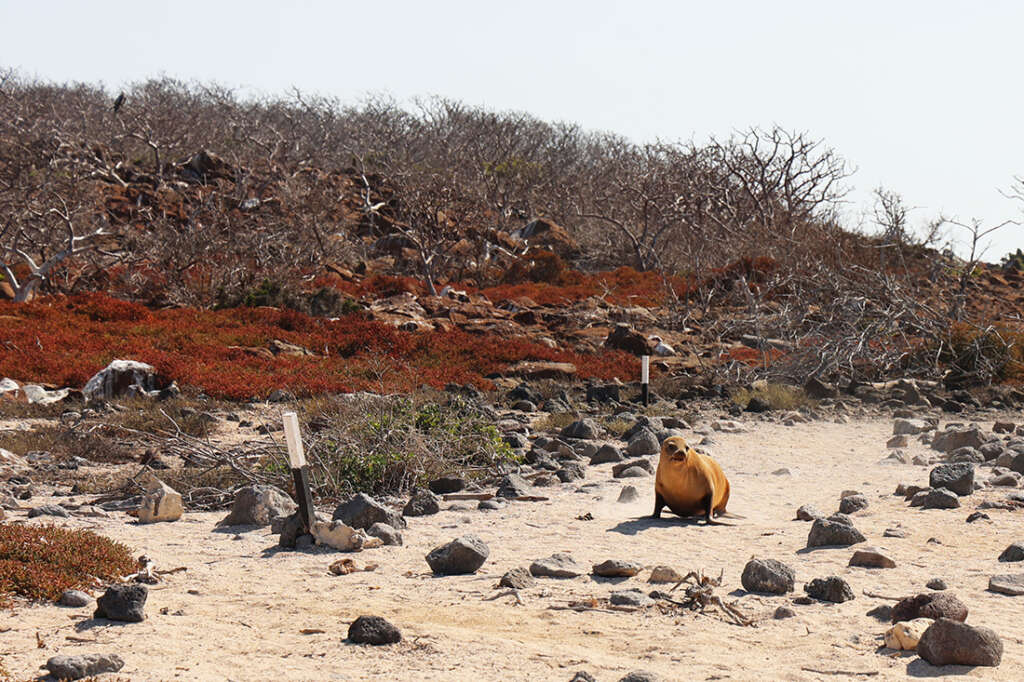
(688, 482)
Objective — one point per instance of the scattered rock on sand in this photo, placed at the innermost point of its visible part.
(258, 505)
(422, 503)
(628, 494)
(936, 584)
(582, 429)
(853, 503)
(905, 635)
(831, 533)
(1012, 585)
(929, 605)
(808, 512)
(833, 589)
(518, 578)
(643, 443)
(619, 469)
(957, 477)
(462, 555)
(74, 599)
(950, 642)
(122, 602)
(513, 485)
(558, 565)
(616, 568)
(1014, 552)
(664, 574)
(84, 665)
(767, 576)
(633, 597)
(783, 612)
(362, 511)
(48, 510)
(940, 498)
(446, 485)
(640, 676)
(606, 454)
(870, 557)
(373, 630)
(387, 534)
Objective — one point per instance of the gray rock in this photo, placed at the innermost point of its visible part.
(870, 557)
(446, 485)
(832, 589)
(959, 477)
(900, 441)
(583, 675)
(617, 568)
(936, 584)
(808, 512)
(422, 503)
(640, 676)
(633, 472)
(643, 443)
(953, 438)
(583, 429)
(932, 605)
(853, 503)
(74, 599)
(1017, 464)
(967, 454)
(910, 427)
(362, 511)
(633, 597)
(940, 499)
(768, 576)
(1008, 479)
(827, 532)
(558, 565)
(373, 630)
(918, 498)
(513, 485)
(388, 534)
(258, 505)
(517, 579)
(894, 533)
(950, 642)
(489, 505)
(48, 510)
(606, 454)
(622, 466)
(462, 555)
(991, 451)
(1014, 552)
(122, 602)
(628, 494)
(85, 665)
(783, 612)
(571, 471)
(1012, 585)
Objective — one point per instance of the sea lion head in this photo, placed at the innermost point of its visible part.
(675, 449)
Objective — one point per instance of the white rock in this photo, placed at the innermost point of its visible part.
(160, 503)
(906, 634)
(119, 378)
(9, 458)
(661, 348)
(9, 386)
(39, 395)
(343, 537)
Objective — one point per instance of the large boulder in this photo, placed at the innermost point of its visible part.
(362, 511)
(258, 505)
(160, 503)
(951, 642)
(123, 378)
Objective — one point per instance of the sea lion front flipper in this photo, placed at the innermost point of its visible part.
(709, 503)
(659, 503)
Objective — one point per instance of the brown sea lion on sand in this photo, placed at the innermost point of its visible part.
(689, 483)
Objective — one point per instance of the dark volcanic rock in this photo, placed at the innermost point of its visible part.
(446, 485)
(852, 503)
(622, 466)
(932, 605)
(583, 429)
(362, 511)
(373, 630)
(388, 534)
(1012, 585)
(122, 602)
(570, 471)
(808, 512)
(422, 503)
(48, 510)
(258, 505)
(1014, 552)
(869, 557)
(958, 477)
(940, 499)
(462, 555)
(833, 589)
(616, 568)
(767, 575)
(558, 565)
(517, 579)
(74, 598)
(513, 485)
(950, 642)
(829, 533)
(605, 454)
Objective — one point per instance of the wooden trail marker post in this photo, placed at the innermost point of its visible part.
(645, 379)
(300, 470)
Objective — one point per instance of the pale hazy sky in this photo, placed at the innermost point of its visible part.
(923, 97)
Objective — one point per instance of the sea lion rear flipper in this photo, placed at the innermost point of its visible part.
(730, 515)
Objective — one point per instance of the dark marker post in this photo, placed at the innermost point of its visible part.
(645, 378)
(300, 471)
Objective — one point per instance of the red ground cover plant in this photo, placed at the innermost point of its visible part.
(40, 562)
(64, 341)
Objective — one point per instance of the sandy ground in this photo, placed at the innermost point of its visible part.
(239, 611)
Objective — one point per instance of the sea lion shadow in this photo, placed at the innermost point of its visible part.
(634, 526)
(921, 668)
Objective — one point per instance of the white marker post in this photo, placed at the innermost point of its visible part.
(645, 378)
(300, 471)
